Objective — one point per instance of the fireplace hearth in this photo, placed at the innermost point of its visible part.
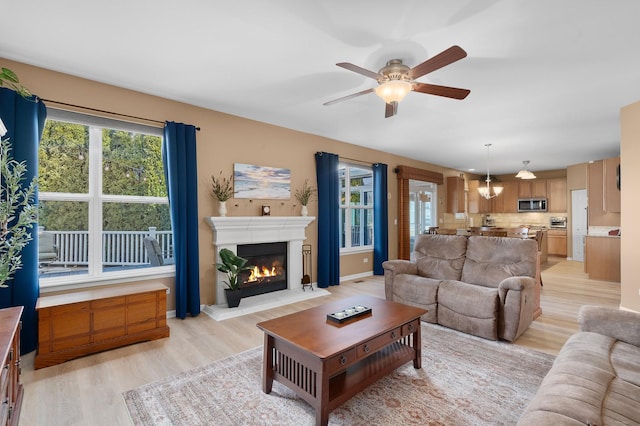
(269, 272)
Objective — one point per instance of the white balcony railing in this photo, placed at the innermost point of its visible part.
(119, 247)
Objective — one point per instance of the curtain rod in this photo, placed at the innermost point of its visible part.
(106, 112)
(357, 161)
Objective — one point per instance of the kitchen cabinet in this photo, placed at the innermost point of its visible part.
(507, 202)
(557, 242)
(611, 190)
(455, 194)
(602, 258)
(535, 188)
(557, 195)
(477, 204)
(597, 215)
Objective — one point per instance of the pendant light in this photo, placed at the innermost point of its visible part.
(486, 191)
(525, 173)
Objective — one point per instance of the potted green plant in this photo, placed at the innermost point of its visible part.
(18, 212)
(222, 190)
(304, 195)
(10, 79)
(232, 265)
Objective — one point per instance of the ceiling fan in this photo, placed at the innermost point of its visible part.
(396, 80)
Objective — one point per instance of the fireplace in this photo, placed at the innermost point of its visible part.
(269, 272)
(234, 232)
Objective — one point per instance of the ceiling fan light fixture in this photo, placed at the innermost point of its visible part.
(393, 90)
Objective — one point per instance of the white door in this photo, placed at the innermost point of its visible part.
(578, 222)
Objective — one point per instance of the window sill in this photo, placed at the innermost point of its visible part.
(50, 285)
(356, 250)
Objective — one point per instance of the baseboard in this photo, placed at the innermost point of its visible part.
(356, 276)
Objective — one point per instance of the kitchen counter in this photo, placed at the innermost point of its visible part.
(602, 257)
(542, 245)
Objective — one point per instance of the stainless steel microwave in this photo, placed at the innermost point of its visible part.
(532, 205)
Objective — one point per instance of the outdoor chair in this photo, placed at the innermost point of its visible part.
(47, 249)
(156, 257)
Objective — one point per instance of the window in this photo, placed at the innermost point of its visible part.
(101, 192)
(356, 207)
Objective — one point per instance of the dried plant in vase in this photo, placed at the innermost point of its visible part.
(221, 187)
(222, 190)
(304, 195)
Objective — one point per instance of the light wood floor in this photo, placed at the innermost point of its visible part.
(87, 391)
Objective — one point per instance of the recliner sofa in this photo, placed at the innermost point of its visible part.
(480, 285)
(595, 380)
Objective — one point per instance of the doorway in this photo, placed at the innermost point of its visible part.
(422, 208)
(578, 223)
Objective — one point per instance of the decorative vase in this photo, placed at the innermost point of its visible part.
(304, 211)
(233, 297)
(222, 208)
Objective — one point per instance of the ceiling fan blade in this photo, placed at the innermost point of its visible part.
(447, 92)
(359, 70)
(391, 109)
(351, 96)
(446, 57)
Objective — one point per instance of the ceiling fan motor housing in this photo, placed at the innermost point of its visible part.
(394, 70)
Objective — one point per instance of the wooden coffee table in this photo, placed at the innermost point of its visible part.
(326, 363)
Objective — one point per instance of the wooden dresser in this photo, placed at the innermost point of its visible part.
(11, 390)
(81, 323)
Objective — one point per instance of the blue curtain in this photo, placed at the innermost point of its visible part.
(328, 219)
(179, 158)
(24, 120)
(380, 218)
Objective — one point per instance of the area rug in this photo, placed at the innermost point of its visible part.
(464, 380)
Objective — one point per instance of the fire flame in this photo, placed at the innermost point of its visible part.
(263, 272)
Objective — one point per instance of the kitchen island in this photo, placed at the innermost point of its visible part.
(602, 257)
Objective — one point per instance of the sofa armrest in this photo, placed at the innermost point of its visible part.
(621, 325)
(400, 266)
(516, 283)
(516, 306)
(393, 268)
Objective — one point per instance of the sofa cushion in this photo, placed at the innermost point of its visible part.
(417, 291)
(440, 256)
(489, 260)
(625, 360)
(469, 308)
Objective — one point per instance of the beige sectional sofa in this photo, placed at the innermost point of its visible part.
(595, 380)
(479, 285)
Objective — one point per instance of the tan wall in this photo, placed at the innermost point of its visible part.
(630, 205)
(222, 141)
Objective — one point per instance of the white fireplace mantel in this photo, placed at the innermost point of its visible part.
(229, 232)
(258, 229)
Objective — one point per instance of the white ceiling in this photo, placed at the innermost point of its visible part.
(547, 77)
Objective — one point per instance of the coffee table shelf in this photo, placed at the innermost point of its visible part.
(342, 386)
(327, 365)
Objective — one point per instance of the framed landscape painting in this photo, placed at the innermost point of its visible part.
(261, 182)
